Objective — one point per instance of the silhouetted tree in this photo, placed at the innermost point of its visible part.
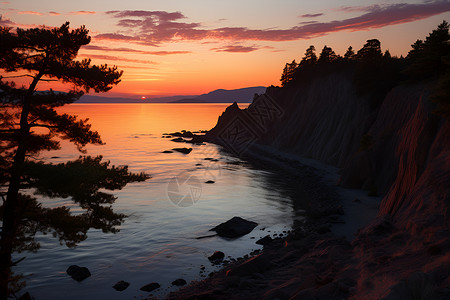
(310, 57)
(349, 54)
(426, 57)
(327, 55)
(370, 52)
(387, 55)
(288, 72)
(43, 54)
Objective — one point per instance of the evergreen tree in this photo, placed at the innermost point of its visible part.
(370, 52)
(43, 54)
(327, 55)
(288, 72)
(349, 54)
(426, 58)
(310, 57)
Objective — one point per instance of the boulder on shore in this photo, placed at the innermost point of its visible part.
(234, 227)
(179, 282)
(217, 256)
(78, 273)
(265, 240)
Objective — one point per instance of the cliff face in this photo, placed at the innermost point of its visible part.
(400, 149)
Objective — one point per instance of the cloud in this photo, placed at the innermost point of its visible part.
(82, 12)
(129, 50)
(311, 15)
(361, 8)
(236, 49)
(156, 27)
(309, 22)
(54, 13)
(118, 59)
(29, 12)
(6, 22)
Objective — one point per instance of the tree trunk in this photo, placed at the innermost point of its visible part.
(11, 203)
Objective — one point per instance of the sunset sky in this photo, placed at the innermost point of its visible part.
(179, 47)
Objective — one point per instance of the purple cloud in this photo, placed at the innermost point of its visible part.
(311, 15)
(130, 50)
(6, 22)
(236, 49)
(156, 27)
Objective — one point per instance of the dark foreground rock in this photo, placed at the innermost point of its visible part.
(218, 255)
(210, 181)
(234, 227)
(264, 241)
(121, 285)
(183, 150)
(78, 273)
(150, 287)
(179, 282)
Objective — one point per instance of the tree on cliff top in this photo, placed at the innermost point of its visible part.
(30, 124)
(426, 58)
(310, 57)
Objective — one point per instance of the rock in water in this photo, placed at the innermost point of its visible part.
(78, 273)
(234, 227)
(218, 255)
(210, 181)
(183, 150)
(150, 287)
(178, 140)
(121, 285)
(179, 282)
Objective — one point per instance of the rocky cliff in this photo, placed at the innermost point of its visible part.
(397, 148)
(388, 149)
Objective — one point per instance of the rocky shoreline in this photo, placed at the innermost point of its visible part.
(398, 150)
(312, 262)
(303, 251)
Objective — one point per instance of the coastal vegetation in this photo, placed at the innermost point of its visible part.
(30, 124)
(375, 72)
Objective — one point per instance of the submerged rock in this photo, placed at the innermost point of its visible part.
(150, 287)
(183, 150)
(234, 227)
(78, 273)
(218, 255)
(179, 282)
(121, 285)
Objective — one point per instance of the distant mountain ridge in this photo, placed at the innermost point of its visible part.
(243, 95)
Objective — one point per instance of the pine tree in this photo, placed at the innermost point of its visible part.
(310, 57)
(48, 54)
(327, 55)
(349, 54)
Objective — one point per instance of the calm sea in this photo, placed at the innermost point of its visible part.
(157, 242)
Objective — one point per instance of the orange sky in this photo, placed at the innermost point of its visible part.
(192, 47)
